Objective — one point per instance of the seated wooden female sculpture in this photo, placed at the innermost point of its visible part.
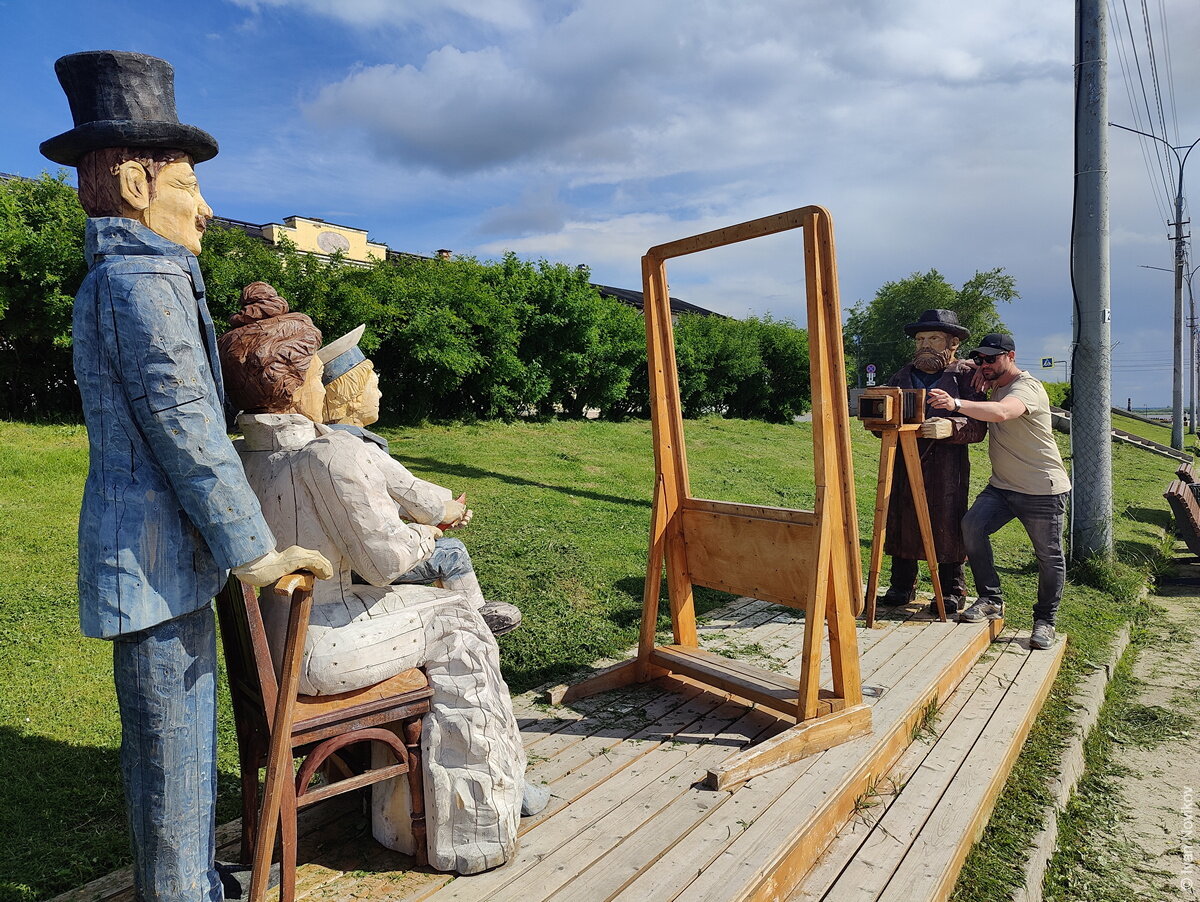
(322, 484)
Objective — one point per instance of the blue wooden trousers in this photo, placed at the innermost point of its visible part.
(166, 690)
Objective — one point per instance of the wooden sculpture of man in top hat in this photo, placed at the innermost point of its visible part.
(945, 464)
(167, 512)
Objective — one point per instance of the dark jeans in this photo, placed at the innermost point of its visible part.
(166, 690)
(1042, 517)
(950, 574)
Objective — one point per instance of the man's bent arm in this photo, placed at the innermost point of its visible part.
(988, 411)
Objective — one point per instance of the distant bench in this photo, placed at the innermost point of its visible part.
(1186, 509)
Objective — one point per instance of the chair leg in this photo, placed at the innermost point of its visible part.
(248, 759)
(288, 842)
(416, 790)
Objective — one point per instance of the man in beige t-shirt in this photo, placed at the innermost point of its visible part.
(1028, 482)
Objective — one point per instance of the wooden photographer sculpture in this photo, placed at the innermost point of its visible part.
(939, 463)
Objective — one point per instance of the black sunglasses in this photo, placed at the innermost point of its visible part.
(981, 359)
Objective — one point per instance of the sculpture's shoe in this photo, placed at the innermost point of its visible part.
(235, 879)
(500, 617)
(534, 799)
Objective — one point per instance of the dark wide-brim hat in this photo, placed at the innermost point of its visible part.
(937, 321)
(122, 99)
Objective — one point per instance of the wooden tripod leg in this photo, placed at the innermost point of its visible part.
(883, 496)
(916, 481)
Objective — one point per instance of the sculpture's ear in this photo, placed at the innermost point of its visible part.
(135, 185)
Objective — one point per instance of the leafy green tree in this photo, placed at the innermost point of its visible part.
(41, 266)
(874, 332)
(779, 391)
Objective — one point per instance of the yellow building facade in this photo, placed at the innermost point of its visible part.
(323, 239)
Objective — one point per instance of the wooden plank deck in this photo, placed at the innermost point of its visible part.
(629, 819)
(912, 841)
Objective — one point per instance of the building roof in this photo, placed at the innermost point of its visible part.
(635, 299)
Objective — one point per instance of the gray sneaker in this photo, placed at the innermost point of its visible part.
(983, 609)
(500, 617)
(1043, 635)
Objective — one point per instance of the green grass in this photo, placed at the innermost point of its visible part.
(561, 525)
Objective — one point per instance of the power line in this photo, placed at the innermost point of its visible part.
(1131, 94)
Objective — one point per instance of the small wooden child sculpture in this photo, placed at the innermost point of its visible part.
(352, 403)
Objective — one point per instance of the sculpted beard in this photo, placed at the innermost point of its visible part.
(931, 361)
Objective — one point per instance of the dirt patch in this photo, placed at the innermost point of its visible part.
(1161, 779)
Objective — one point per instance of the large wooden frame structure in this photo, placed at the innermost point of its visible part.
(804, 559)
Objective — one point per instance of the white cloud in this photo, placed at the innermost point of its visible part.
(505, 15)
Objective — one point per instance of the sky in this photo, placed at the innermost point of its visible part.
(938, 134)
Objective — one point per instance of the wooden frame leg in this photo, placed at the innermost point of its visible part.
(916, 482)
(791, 745)
(883, 498)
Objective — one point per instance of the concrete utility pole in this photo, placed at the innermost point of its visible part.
(1091, 372)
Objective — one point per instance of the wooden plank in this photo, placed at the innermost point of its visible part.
(840, 852)
(931, 868)
(893, 837)
(583, 779)
(743, 231)
(768, 859)
(791, 745)
(746, 555)
(762, 687)
(757, 511)
(590, 808)
(709, 840)
(557, 871)
(662, 715)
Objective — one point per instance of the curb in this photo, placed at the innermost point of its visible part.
(1089, 699)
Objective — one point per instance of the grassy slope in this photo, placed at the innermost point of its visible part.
(560, 530)
(1152, 431)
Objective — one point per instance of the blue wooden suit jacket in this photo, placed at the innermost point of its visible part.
(166, 507)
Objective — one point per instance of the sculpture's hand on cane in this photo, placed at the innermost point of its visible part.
(936, 427)
(274, 564)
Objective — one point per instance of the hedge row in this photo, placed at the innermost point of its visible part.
(453, 339)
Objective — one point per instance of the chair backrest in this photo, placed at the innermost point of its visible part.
(253, 684)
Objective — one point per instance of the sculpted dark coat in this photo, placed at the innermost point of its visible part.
(946, 469)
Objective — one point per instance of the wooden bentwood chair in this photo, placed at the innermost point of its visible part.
(275, 725)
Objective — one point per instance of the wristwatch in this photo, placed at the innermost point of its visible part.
(957, 405)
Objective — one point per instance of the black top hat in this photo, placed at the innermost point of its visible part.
(937, 321)
(122, 99)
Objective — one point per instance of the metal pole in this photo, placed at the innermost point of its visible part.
(1091, 366)
(1177, 356)
(1192, 345)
